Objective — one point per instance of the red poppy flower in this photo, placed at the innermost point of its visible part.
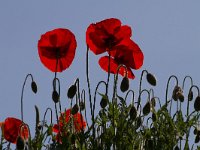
(57, 47)
(78, 121)
(12, 129)
(107, 35)
(129, 55)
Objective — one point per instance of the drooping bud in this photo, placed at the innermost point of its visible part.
(195, 131)
(124, 84)
(197, 139)
(154, 116)
(71, 91)
(190, 96)
(75, 109)
(151, 79)
(197, 103)
(133, 113)
(104, 102)
(55, 96)
(153, 102)
(178, 94)
(181, 97)
(82, 105)
(20, 143)
(138, 122)
(176, 148)
(147, 108)
(34, 87)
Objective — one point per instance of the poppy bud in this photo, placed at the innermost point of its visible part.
(181, 97)
(195, 131)
(72, 91)
(82, 105)
(150, 143)
(75, 109)
(133, 113)
(190, 96)
(154, 116)
(197, 139)
(176, 93)
(153, 102)
(197, 103)
(104, 102)
(176, 148)
(20, 143)
(151, 79)
(147, 108)
(124, 84)
(73, 139)
(55, 96)
(34, 87)
(138, 122)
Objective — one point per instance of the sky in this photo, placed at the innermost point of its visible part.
(168, 32)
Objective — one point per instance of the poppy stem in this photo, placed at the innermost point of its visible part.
(83, 98)
(88, 80)
(167, 89)
(108, 79)
(22, 95)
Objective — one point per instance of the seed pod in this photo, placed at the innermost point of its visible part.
(151, 79)
(197, 103)
(124, 84)
(104, 102)
(154, 116)
(197, 139)
(82, 105)
(71, 91)
(55, 96)
(133, 113)
(34, 87)
(147, 108)
(20, 143)
(75, 109)
(190, 95)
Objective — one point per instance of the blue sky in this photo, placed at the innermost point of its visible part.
(168, 32)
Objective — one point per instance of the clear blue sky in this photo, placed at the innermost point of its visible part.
(168, 33)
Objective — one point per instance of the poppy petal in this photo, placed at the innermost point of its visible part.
(124, 32)
(12, 128)
(57, 44)
(104, 62)
(129, 54)
(100, 35)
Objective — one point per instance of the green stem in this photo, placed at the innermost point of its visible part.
(22, 95)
